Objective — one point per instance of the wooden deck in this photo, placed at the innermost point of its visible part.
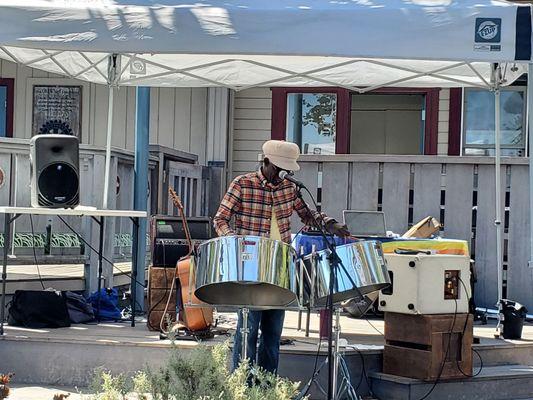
(76, 351)
(366, 333)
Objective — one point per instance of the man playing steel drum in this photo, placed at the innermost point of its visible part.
(261, 204)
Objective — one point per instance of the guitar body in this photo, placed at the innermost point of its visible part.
(194, 318)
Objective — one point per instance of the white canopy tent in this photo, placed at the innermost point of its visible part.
(357, 44)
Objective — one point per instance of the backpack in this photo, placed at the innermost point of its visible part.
(105, 305)
(79, 310)
(38, 309)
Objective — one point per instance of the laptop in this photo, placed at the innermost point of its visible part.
(365, 223)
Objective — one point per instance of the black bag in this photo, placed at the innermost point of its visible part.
(38, 309)
(79, 310)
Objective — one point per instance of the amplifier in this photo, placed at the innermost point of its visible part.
(426, 284)
(169, 242)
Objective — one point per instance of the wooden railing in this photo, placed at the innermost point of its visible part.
(459, 191)
(55, 242)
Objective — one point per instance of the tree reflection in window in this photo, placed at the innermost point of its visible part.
(311, 121)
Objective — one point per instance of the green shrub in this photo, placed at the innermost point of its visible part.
(201, 374)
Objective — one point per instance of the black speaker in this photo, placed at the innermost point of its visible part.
(169, 242)
(54, 166)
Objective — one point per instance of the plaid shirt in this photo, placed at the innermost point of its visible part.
(251, 200)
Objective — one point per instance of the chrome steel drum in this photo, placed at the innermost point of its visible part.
(362, 271)
(246, 270)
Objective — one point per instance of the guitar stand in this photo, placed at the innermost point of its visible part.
(342, 389)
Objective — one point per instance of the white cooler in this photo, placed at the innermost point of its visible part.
(427, 284)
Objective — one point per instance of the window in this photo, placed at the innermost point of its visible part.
(479, 124)
(311, 121)
(6, 107)
(317, 119)
(336, 121)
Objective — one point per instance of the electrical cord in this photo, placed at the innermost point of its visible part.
(363, 371)
(463, 334)
(34, 253)
(98, 253)
(317, 225)
(313, 375)
(331, 245)
(376, 329)
(445, 356)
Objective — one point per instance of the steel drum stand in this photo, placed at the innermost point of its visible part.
(244, 333)
(335, 262)
(342, 388)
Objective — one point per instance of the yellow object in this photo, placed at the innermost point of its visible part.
(274, 227)
(436, 246)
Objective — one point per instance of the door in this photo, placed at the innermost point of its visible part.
(387, 124)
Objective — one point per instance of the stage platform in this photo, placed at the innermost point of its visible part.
(66, 357)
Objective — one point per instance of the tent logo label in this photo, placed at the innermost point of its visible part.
(488, 30)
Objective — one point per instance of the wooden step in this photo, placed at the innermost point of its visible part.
(504, 382)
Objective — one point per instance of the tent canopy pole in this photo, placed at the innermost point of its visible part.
(497, 169)
(113, 74)
(140, 184)
(108, 147)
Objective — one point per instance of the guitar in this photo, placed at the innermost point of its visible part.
(193, 318)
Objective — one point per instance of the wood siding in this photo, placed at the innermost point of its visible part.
(178, 116)
(252, 123)
(251, 127)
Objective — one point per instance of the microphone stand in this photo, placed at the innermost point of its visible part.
(335, 261)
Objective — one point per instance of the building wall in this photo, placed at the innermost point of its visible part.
(178, 116)
(252, 123)
(444, 120)
(251, 127)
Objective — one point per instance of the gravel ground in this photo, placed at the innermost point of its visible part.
(33, 392)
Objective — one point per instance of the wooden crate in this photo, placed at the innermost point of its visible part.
(159, 285)
(416, 346)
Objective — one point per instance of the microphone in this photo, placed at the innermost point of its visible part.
(285, 175)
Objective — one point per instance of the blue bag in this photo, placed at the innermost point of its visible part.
(105, 306)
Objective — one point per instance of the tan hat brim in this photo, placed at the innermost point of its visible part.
(283, 162)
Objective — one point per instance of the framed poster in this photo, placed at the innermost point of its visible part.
(57, 109)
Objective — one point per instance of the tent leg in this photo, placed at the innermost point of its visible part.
(498, 214)
(140, 187)
(108, 147)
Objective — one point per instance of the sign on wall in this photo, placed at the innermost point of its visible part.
(57, 109)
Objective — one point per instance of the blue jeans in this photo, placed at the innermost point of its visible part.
(267, 356)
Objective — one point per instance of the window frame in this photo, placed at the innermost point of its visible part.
(279, 114)
(462, 132)
(9, 83)
(344, 102)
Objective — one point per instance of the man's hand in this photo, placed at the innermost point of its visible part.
(336, 228)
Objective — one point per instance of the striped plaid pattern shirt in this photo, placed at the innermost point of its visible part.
(251, 199)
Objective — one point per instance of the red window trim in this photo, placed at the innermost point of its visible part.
(454, 127)
(10, 84)
(342, 144)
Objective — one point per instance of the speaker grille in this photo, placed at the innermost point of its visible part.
(58, 185)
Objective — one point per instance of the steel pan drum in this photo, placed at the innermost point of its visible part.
(362, 271)
(246, 270)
